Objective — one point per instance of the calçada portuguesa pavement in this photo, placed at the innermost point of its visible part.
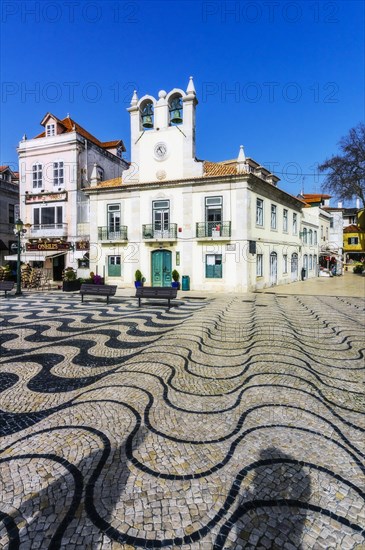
(228, 422)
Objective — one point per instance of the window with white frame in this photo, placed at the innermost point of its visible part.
(285, 263)
(326, 233)
(314, 261)
(295, 224)
(213, 266)
(37, 175)
(259, 265)
(259, 212)
(273, 216)
(321, 232)
(58, 178)
(331, 222)
(50, 130)
(310, 235)
(315, 238)
(310, 262)
(50, 216)
(285, 220)
(353, 240)
(305, 235)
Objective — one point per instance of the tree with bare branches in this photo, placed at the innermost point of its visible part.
(346, 172)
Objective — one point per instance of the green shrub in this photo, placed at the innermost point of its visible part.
(175, 275)
(138, 275)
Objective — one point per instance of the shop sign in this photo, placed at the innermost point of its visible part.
(82, 245)
(47, 246)
(50, 197)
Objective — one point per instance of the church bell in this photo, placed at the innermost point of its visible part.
(176, 117)
(147, 121)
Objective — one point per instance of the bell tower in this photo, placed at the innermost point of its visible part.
(163, 136)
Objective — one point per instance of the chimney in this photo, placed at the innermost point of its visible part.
(339, 204)
(358, 203)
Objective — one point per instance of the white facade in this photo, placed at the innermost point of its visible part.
(55, 168)
(225, 225)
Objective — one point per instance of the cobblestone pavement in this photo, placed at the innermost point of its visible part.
(225, 423)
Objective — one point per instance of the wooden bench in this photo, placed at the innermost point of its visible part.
(6, 286)
(97, 290)
(159, 293)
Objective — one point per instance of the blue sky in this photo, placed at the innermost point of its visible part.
(283, 78)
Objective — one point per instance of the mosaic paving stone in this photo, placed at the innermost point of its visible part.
(225, 423)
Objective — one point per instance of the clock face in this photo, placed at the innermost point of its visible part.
(160, 151)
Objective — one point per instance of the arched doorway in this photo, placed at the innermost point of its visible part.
(273, 268)
(294, 266)
(161, 268)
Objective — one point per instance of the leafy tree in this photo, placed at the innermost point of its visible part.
(346, 176)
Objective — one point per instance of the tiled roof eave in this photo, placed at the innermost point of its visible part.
(198, 180)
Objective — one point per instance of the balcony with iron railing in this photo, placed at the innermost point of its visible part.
(119, 234)
(160, 231)
(213, 230)
(48, 230)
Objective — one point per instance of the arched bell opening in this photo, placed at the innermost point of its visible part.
(176, 110)
(147, 115)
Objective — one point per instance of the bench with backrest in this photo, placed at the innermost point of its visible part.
(6, 286)
(97, 290)
(159, 293)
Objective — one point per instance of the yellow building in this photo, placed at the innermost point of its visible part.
(354, 243)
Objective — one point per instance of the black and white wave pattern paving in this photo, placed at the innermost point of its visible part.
(224, 423)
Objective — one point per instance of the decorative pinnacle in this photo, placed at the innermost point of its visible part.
(241, 155)
(134, 99)
(191, 88)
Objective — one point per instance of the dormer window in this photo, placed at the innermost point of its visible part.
(50, 130)
(176, 110)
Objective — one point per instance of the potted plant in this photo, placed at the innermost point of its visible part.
(70, 282)
(98, 280)
(175, 276)
(138, 278)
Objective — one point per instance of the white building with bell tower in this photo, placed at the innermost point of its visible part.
(163, 137)
(225, 226)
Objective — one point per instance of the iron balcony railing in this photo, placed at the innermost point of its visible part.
(119, 233)
(213, 229)
(159, 231)
(48, 230)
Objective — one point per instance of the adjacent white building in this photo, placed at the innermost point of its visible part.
(55, 168)
(226, 225)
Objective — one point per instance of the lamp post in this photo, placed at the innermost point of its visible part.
(18, 230)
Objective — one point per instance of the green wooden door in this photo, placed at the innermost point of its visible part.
(114, 266)
(161, 268)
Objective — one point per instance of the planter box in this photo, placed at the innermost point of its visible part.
(71, 286)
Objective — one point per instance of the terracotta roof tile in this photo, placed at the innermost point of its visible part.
(218, 169)
(115, 182)
(352, 229)
(70, 126)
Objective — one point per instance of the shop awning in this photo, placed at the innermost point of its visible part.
(35, 256)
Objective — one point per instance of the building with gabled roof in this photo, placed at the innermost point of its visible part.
(55, 168)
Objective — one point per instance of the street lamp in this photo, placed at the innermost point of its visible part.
(18, 230)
